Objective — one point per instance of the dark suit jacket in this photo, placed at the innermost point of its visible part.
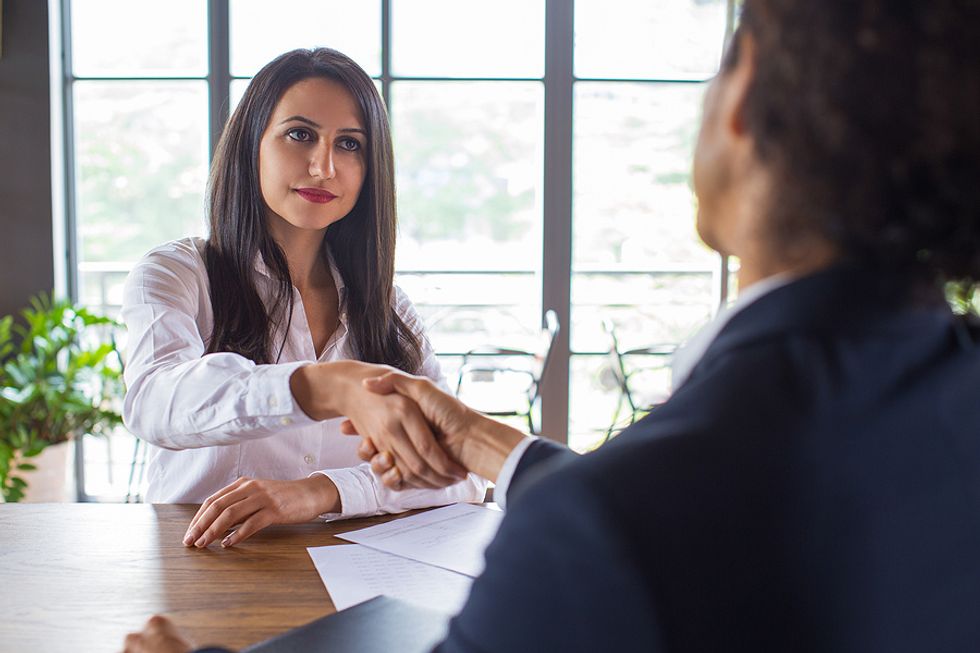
(813, 486)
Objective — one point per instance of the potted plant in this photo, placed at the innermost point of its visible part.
(59, 379)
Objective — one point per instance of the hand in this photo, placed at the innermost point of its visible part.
(480, 443)
(256, 504)
(333, 389)
(159, 635)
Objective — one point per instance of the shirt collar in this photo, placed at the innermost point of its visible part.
(261, 268)
(686, 358)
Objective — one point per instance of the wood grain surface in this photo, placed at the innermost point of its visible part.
(78, 577)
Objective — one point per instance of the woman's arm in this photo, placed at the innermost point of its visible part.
(324, 391)
(177, 396)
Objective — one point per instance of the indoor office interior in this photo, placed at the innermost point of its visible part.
(542, 151)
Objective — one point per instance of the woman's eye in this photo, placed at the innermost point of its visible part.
(350, 144)
(301, 135)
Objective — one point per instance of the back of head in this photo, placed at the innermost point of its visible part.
(867, 113)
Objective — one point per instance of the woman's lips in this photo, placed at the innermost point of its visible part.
(315, 195)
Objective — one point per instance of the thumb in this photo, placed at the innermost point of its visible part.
(381, 385)
(403, 384)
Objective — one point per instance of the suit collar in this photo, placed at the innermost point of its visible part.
(836, 298)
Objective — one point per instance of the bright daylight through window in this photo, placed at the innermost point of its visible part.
(467, 86)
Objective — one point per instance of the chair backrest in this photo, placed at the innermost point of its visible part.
(550, 332)
(616, 362)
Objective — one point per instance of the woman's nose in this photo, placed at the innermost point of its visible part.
(322, 165)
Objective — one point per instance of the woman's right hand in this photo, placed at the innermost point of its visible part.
(327, 390)
(478, 442)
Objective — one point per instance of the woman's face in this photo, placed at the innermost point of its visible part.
(312, 156)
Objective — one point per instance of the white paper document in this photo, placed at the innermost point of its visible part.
(453, 537)
(353, 574)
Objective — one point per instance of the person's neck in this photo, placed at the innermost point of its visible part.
(762, 264)
(308, 267)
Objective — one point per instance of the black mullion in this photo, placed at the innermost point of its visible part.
(68, 122)
(73, 78)
(386, 78)
(723, 261)
(219, 70)
(71, 206)
(557, 237)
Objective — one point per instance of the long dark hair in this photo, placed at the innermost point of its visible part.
(868, 115)
(362, 244)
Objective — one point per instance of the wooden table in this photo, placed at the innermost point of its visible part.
(78, 577)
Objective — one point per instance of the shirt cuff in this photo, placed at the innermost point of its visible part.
(357, 494)
(507, 471)
(269, 395)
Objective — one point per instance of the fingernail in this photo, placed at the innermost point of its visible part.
(200, 542)
(225, 543)
(188, 538)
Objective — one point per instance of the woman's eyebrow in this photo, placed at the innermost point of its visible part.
(304, 119)
(301, 119)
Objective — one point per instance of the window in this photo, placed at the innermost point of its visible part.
(491, 105)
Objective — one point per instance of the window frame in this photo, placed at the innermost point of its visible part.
(559, 87)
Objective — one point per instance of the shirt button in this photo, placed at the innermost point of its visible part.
(273, 402)
(285, 421)
(309, 459)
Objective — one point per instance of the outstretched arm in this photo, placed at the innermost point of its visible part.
(479, 443)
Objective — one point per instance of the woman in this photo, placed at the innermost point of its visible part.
(246, 347)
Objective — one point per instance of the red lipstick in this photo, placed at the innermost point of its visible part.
(315, 195)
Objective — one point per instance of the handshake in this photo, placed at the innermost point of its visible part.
(422, 437)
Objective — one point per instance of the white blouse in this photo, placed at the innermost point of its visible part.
(216, 417)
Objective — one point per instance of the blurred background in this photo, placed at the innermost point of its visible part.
(543, 153)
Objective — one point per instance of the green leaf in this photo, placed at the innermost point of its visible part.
(34, 450)
(27, 467)
(12, 494)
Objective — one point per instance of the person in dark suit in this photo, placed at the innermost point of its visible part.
(813, 484)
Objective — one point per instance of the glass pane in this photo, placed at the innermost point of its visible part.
(469, 171)
(238, 87)
(634, 241)
(448, 38)
(141, 152)
(640, 39)
(139, 38)
(598, 407)
(260, 31)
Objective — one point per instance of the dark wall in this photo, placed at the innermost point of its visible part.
(26, 251)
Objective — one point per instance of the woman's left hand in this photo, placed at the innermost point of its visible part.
(257, 503)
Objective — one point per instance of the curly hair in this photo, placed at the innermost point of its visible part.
(867, 113)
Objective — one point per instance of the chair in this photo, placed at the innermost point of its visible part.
(515, 384)
(137, 467)
(628, 394)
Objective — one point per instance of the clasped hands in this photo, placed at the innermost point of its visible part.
(414, 436)
(477, 443)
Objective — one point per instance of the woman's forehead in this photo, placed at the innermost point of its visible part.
(326, 102)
